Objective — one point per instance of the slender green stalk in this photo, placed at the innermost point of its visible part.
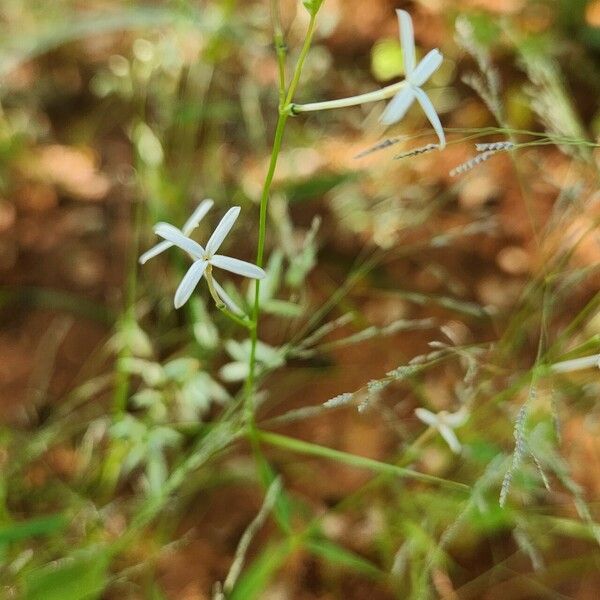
(262, 233)
(362, 462)
(211, 288)
(127, 319)
(284, 114)
(247, 323)
(244, 543)
(303, 54)
(382, 94)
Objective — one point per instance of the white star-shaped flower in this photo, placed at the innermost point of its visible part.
(416, 76)
(267, 358)
(445, 423)
(187, 229)
(206, 258)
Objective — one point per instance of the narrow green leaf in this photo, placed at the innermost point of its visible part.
(34, 527)
(362, 462)
(254, 581)
(81, 578)
(283, 505)
(337, 555)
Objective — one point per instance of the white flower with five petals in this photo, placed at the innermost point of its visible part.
(445, 423)
(416, 76)
(207, 258)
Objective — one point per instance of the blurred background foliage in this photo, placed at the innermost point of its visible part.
(124, 474)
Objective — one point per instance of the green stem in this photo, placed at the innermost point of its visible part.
(211, 288)
(362, 462)
(127, 320)
(262, 233)
(247, 323)
(382, 94)
(264, 201)
(303, 54)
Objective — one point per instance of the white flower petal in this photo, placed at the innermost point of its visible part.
(407, 40)
(457, 418)
(450, 438)
(398, 106)
(197, 216)
(427, 417)
(173, 235)
(231, 305)
(223, 228)
(234, 371)
(154, 251)
(427, 67)
(239, 351)
(241, 267)
(429, 110)
(268, 355)
(189, 282)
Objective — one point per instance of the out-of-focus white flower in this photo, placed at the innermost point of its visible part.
(402, 94)
(206, 258)
(445, 423)
(267, 357)
(187, 229)
(416, 76)
(576, 364)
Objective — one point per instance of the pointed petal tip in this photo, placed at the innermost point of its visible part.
(235, 265)
(160, 226)
(426, 416)
(431, 115)
(223, 228)
(197, 215)
(205, 205)
(407, 41)
(450, 438)
(154, 251)
(437, 53)
(430, 63)
(189, 282)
